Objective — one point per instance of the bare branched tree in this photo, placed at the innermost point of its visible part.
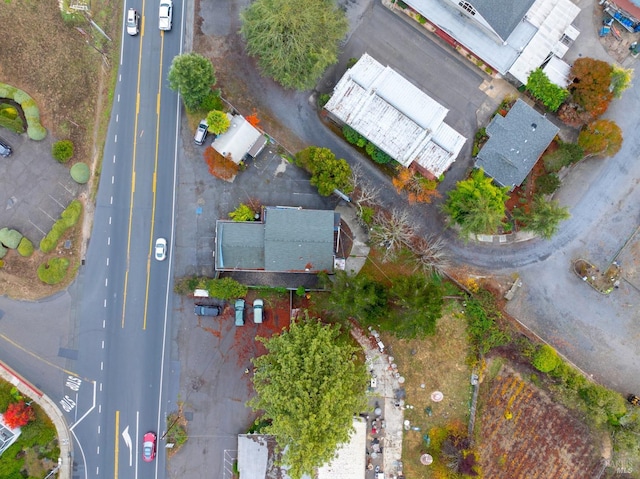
(364, 194)
(431, 255)
(391, 232)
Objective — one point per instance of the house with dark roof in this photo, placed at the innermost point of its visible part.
(516, 142)
(514, 37)
(286, 240)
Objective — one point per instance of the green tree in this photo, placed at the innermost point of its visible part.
(565, 155)
(294, 40)
(547, 184)
(309, 385)
(327, 172)
(600, 138)
(476, 204)
(543, 217)
(358, 297)
(193, 76)
(550, 94)
(418, 306)
(620, 79)
(218, 122)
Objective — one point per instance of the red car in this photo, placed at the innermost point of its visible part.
(149, 447)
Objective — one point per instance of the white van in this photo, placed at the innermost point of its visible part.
(201, 132)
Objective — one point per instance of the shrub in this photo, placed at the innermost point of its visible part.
(243, 213)
(226, 288)
(80, 173)
(25, 248)
(71, 213)
(377, 154)
(36, 133)
(323, 99)
(53, 271)
(353, 137)
(545, 359)
(603, 404)
(541, 88)
(3, 251)
(547, 184)
(62, 150)
(212, 102)
(10, 238)
(565, 155)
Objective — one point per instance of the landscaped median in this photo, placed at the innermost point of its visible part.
(603, 283)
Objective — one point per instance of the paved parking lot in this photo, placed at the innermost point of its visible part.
(34, 188)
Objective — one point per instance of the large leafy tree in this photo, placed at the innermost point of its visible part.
(309, 385)
(358, 297)
(327, 172)
(418, 305)
(193, 76)
(294, 40)
(543, 217)
(476, 204)
(600, 138)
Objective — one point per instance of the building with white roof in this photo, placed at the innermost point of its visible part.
(240, 140)
(396, 116)
(512, 36)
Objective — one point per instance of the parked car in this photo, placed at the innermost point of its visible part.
(207, 310)
(239, 307)
(165, 15)
(133, 20)
(161, 249)
(5, 148)
(149, 446)
(201, 132)
(258, 307)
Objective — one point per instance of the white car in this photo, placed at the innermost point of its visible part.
(133, 19)
(161, 249)
(166, 15)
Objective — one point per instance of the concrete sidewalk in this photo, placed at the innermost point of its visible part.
(64, 441)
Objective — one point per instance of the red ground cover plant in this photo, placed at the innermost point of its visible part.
(18, 414)
(220, 166)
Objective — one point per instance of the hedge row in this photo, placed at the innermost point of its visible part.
(35, 130)
(355, 138)
(68, 218)
(13, 239)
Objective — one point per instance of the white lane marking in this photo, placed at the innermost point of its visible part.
(98, 450)
(127, 441)
(104, 305)
(100, 405)
(111, 200)
(109, 223)
(101, 365)
(100, 389)
(104, 322)
(107, 261)
(113, 179)
(115, 138)
(109, 237)
(117, 116)
(98, 429)
(106, 282)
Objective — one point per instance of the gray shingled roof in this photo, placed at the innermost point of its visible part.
(515, 143)
(297, 240)
(502, 15)
(287, 240)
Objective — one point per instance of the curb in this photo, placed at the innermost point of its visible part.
(50, 408)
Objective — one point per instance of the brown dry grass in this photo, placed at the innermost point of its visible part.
(62, 67)
(524, 434)
(439, 364)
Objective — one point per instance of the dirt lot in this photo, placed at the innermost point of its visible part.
(525, 434)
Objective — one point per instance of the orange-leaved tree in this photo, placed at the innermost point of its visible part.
(601, 137)
(253, 119)
(418, 188)
(220, 166)
(590, 90)
(18, 414)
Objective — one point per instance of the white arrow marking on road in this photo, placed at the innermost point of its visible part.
(127, 441)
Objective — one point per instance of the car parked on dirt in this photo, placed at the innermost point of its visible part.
(207, 310)
(239, 308)
(258, 308)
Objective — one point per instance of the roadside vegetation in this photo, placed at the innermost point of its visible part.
(36, 451)
(68, 105)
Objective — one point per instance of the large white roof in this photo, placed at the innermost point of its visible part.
(396, 116)
(237, 140)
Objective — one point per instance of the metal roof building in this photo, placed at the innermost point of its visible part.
(396, 116)
(515, 144)
(240, 139)
(287, 240)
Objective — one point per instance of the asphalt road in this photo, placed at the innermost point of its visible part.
(123, 293)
